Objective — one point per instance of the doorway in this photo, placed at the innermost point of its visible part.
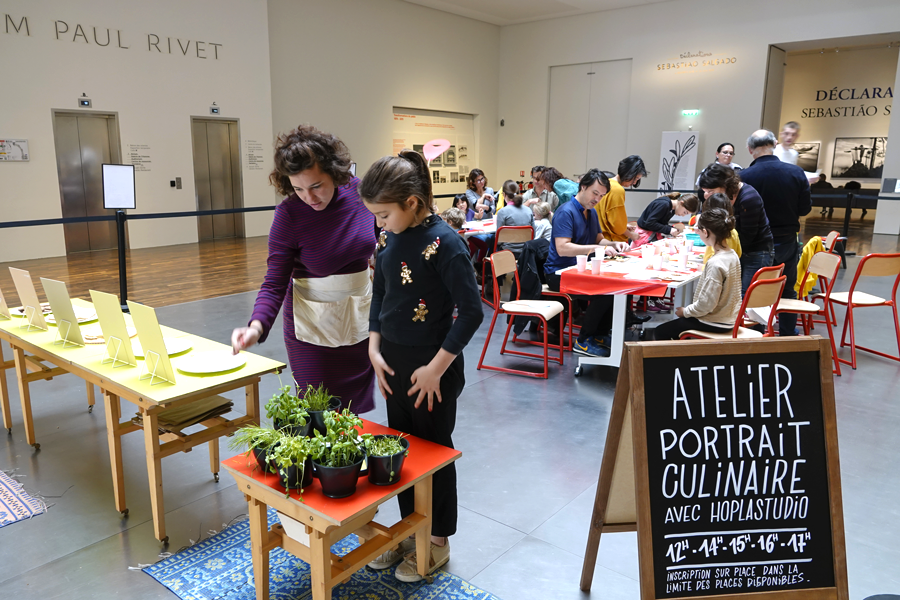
(217, 177)
(84, 141)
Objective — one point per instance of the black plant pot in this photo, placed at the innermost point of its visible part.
(294, 430)
(292, 478)
(381, 467)
(317, 417)
(339, 482)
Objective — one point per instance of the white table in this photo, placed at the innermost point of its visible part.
(488, 226)
(617, 341)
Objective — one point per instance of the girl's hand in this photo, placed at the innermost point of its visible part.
(679, 312)
(426, 381)
(673, 232)
(479, 214)
(381, 367)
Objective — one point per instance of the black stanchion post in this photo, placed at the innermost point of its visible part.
(846, 229)
(123, 278)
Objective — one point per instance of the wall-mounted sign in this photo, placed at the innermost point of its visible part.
(694, 62)
(14, 150)
(690, 112)
(92, 35)
(837, 94)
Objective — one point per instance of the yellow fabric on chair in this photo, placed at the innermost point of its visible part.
(812, 246)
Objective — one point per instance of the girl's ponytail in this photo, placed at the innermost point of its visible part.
(394, 179)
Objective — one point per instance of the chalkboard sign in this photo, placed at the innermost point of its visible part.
(736, 476)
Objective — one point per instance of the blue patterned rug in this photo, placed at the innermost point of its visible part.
(220, 568)
(15, 504)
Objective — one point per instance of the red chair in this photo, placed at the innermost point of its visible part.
(825, 266)
(873, 265)
(761, 293)
(503, 263)
(508, 234)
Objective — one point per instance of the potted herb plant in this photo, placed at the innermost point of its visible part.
(292, 458)
(384, 458)
(257, 440)
(315, 402)
(287, 412)
(338, 454)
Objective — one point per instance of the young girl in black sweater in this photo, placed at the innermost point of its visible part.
(654, 221)
(422, 272)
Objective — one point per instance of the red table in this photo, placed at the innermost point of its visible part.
(328, 520)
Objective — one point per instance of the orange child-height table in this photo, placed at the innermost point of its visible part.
(325, 520)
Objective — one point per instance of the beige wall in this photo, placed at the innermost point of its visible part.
(342, 65)
(154, 94)
(809, 81)
(730, 97)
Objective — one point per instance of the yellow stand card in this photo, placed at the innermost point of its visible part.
(115, 330)
(156, 357)
(67, 327)
(34, 316)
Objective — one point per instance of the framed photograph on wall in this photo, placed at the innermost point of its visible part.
(808, 155)
(858, 158)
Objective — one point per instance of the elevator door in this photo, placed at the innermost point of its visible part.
(217, 177)
(83, 143)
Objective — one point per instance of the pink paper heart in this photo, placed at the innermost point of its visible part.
(435, 148)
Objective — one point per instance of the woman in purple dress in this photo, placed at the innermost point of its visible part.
(319, 246)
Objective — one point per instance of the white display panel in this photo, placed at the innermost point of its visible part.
(118, 186)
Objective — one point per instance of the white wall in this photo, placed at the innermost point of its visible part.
(342, 65)
(810, 80)
(154, 94)
(730, 96)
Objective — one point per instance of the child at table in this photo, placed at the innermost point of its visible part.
(460, 202)
(543, 227)
(733, 242)
(415, 345)
(717, 297)
(654, 221)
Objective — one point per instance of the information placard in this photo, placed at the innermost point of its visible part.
(723, 456)
(118, 186)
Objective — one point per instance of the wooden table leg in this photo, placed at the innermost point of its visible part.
(154, 473)
(320, 566)
(90, 396)
(114, 440)
(252, 393)
(214, 458)
(423, 535)
(4, 391)
(25, 396)
(259, 538)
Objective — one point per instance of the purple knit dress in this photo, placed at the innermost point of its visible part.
(304, 243)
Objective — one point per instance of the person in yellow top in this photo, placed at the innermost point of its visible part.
(611, 208)
(733, 242)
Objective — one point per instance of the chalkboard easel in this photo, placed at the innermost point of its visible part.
(723, 456)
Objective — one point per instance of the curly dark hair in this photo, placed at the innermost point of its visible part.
(719, 176)
(303, 148)
(473, 175)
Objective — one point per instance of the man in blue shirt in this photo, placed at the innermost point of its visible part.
(784, 189)
(576, 231)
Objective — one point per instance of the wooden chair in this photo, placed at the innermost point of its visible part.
(761, 293)
(508, 234)
(823, 265)
(762, 273)
(831, 242)
(503, 263)
(872, 265)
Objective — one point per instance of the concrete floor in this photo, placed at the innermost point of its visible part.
(531, 457)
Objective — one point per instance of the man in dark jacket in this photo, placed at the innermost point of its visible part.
(785, 192)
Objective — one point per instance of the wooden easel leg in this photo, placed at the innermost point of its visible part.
(154, 473)
(320, 566)
(24, 395)
(90, 396)
(423, 535)
(593, 543)
(259, 538)
(214, 458)
(4, 392)
(114, 440)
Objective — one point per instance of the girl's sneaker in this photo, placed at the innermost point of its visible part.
(407, 571)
